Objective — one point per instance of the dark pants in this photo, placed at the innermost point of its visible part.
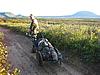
(31, 25)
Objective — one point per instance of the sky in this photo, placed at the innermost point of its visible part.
(49, 7)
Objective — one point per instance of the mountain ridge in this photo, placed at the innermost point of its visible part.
(80, 14)
(10, 15)
(84, 14)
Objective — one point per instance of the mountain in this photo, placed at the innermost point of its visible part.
(21, 16)
(10, 15)
(80, 14)
(7, 15)
(83, 14)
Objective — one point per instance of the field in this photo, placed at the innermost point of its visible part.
(75, 38)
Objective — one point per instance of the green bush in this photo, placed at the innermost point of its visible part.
(80, 40)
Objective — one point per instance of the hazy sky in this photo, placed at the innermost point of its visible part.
(49, 7)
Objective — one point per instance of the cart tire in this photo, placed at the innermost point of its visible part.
(33, 49)
(39, 58)
(60, 62)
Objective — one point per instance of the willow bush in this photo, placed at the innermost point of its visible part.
(80, 39)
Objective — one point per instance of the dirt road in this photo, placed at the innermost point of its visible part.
(20, 56)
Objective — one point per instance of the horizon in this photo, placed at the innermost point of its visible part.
(54, 15)
(49, 8)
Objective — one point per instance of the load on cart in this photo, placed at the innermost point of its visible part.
(45, 51)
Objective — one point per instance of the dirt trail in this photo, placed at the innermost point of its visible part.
(20, 56)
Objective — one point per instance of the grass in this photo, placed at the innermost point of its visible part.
(79, 37)
(4, 65)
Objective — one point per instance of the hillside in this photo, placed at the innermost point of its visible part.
(10, 15)
(83, 14)
(80, 14)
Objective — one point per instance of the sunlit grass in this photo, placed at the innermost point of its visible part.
(79, 37)
(4, 65)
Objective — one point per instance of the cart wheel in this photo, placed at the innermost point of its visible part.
(33, 50)
(39, 58)
(60, 62)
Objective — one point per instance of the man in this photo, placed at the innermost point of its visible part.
(33, 29)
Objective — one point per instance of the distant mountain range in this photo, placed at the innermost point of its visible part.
(10, 15)
(80, 14)
(84, 14)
